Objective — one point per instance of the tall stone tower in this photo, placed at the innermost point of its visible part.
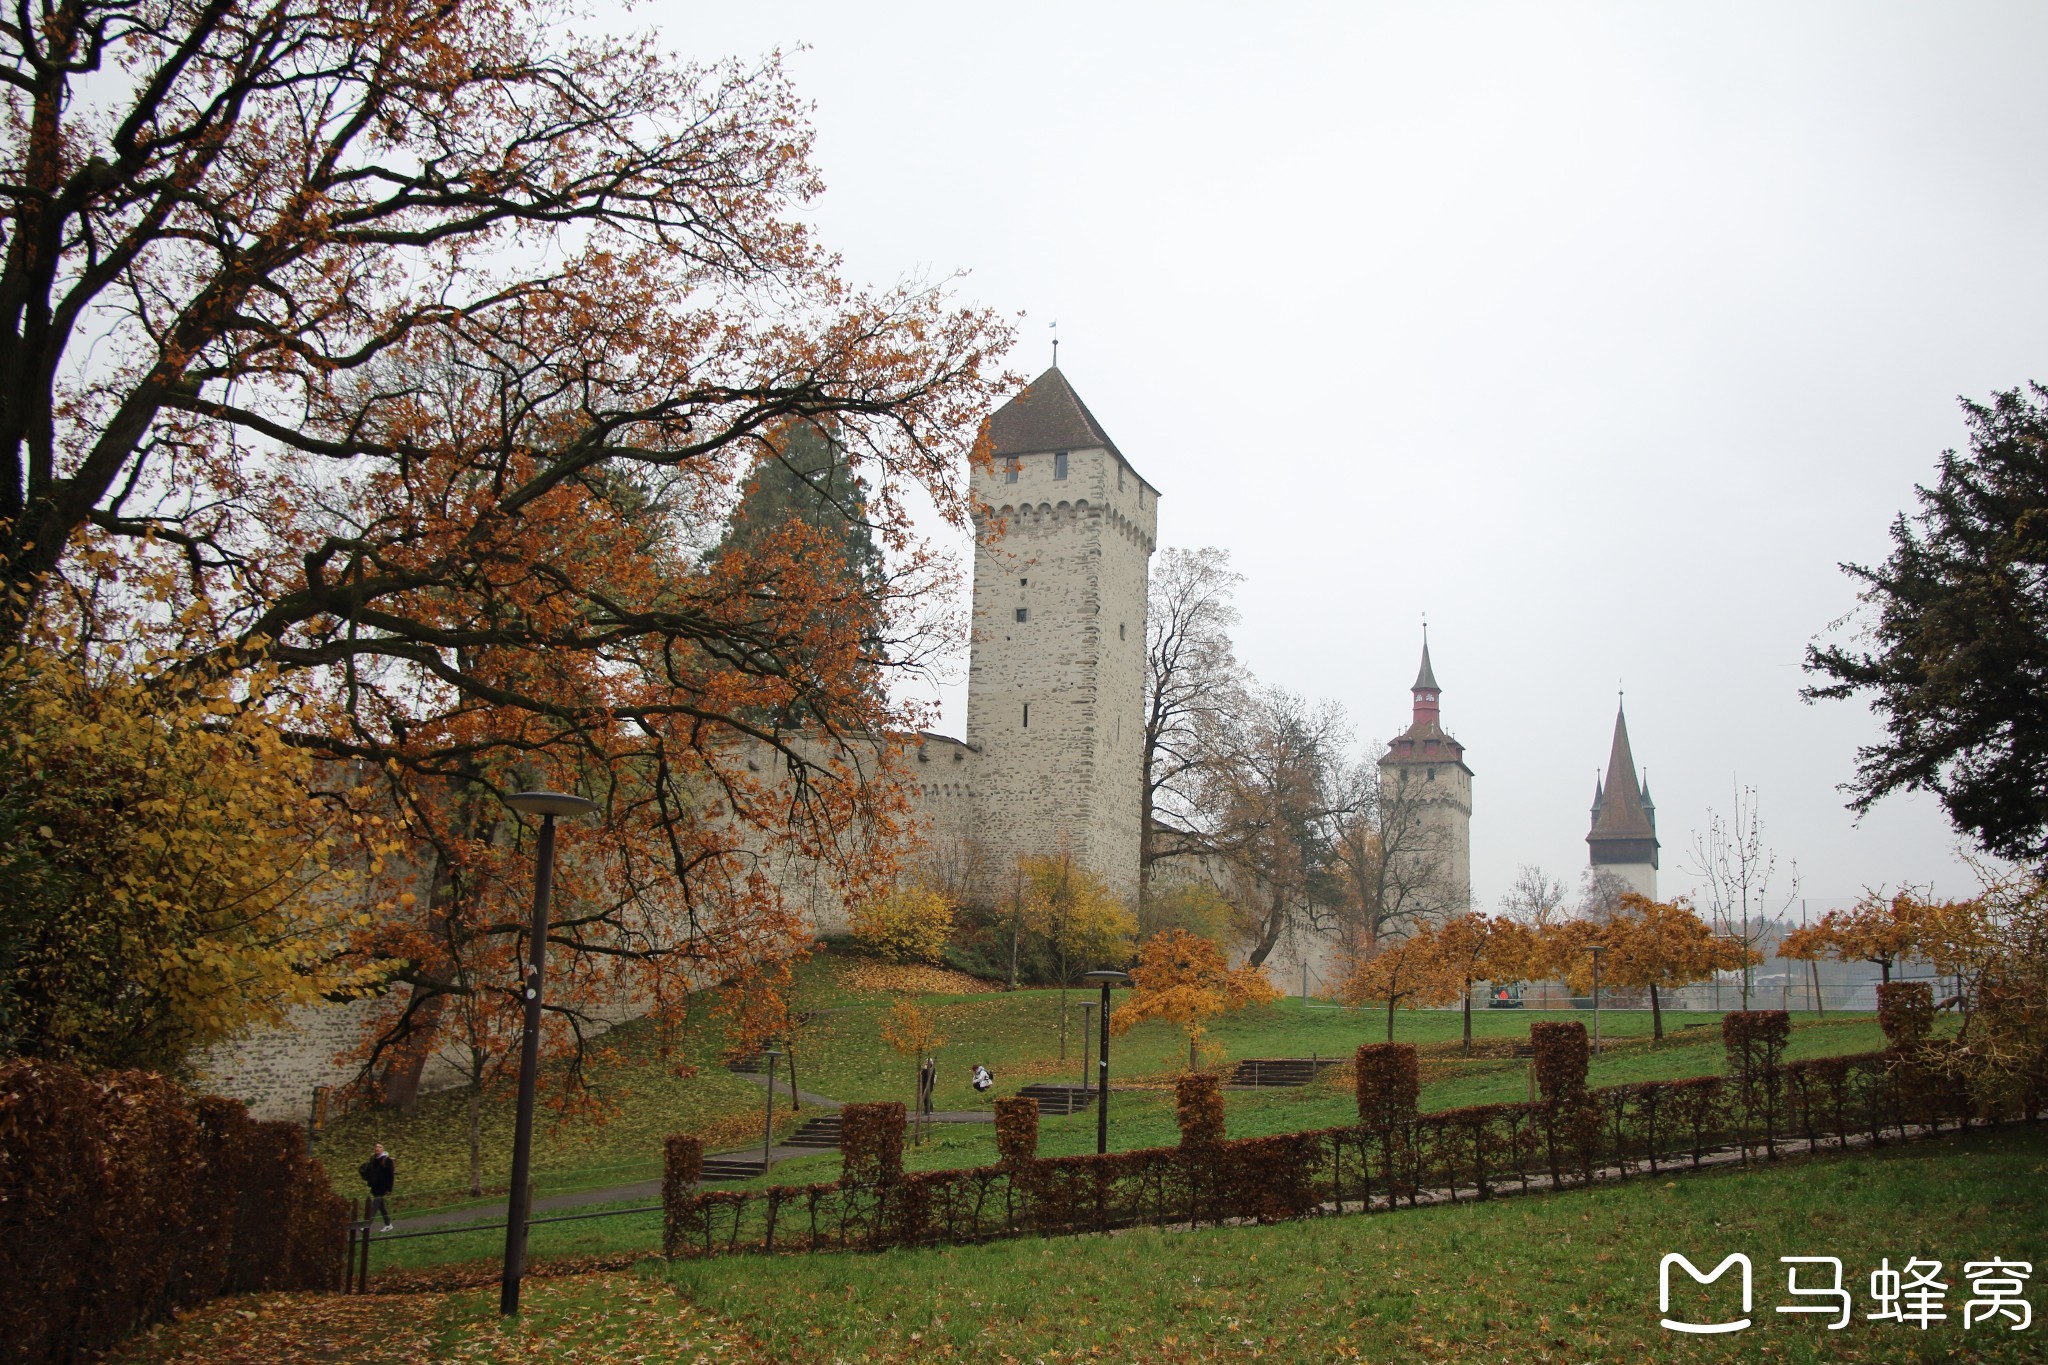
(1623, 839)
(1056, 681)
(1424, 780)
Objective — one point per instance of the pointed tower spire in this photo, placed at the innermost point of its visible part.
(1624, 830)
(1425, 689)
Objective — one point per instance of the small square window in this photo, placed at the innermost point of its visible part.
(1119, 630)
(1023, 582)
(1011, 468)
(1023, 614)
(1059, 465)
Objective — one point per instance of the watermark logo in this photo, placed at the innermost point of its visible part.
(1702, 1328)
(1913, 1295)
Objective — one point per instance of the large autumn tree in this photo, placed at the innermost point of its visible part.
(433, 344)
(1955, 637)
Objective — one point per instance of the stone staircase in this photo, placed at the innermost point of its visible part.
(1058, 1099)
(821, 1133)
(1265, 1072)
(729, 1168)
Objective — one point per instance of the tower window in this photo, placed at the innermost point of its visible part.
(1023, 614)
(1027, 715)
(1011, 468)
(1023, 582)
(1059, 465)
(1119, 478)
(1432, 775)
(1119, 630)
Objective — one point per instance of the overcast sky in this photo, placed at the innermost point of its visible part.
(1599, 334)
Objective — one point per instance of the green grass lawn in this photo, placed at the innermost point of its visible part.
(1565, 1277)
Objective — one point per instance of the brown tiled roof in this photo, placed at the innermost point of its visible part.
(1048, 415)
(1621, 813)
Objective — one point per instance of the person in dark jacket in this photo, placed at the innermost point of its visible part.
(380, 1173)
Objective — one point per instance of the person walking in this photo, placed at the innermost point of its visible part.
(380, 1173)
(928, 1082)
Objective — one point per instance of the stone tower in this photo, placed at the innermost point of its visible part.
(1056, 678)
(1623, 838)
(1424, 781)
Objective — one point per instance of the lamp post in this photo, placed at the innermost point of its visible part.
(1598, 949)
(519, 1205)
(1105, 977)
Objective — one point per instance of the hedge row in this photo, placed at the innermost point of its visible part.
(122, 1202)
(1392, 1157)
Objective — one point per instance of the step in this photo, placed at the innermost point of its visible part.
(1263, 1072)
(1058, 1099)
(728, 1168)
(823, 1134)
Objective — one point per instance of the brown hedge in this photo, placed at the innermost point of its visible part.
(1017, 1130)
(1560, 1055)
(122, 1201)
(1615, 1132)
(1905, 1011)
(1198, 1107)
(871, 1142)
(1389, 1084)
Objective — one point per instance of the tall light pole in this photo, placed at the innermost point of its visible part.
(768, 1122)
(519, 1207)
(1598, 949)
(1102, 1065)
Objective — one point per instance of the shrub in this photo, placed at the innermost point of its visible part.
(1560, 1055)
(871, 1143)
(1198, 1105)
(682, 1164)
(910, 924)
(1389, 1084)
(1905, 1010)
(1017, 1130)
(1755, 1041)
(122, 1202)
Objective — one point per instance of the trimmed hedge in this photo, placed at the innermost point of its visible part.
(1905, 1011)
(1389, 1084)
(1461, 1154)
(1016, 1129)
(1560, 1055)
(122, 1202)
(871, 1142)
(1198, 1107)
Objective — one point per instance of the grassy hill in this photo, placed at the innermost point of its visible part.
(1570, 1277)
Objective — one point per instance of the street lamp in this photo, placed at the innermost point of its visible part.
(1598, 949)
(519, 1207)
(1102, 1066)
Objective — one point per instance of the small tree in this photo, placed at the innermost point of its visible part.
(1407, 970)
(1475, 948)
(1731, 857)
(1184, 978)
(1664, 943)
(1875, 930)
(910, 924)
(1075, 917)
(913, 1031)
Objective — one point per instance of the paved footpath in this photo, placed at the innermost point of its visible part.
(649, 1191)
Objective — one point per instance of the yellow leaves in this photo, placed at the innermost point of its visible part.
(912, 1030)
(1184, 977)
(910, 924)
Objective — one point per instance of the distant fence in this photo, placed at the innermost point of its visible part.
(1396, 1157)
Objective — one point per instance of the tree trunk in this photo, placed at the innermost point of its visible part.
(1063, 1016)
(1656, 1015)
(1468, 1018)
(476, 1135)
(1884, 965)
(1191, 1052)
(1276, 919)
(1391, 997)
(1820, 1009)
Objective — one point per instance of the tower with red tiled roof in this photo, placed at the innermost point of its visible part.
(1623, 837)
(1426, 788)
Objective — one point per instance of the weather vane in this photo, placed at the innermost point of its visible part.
(1055, 325)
